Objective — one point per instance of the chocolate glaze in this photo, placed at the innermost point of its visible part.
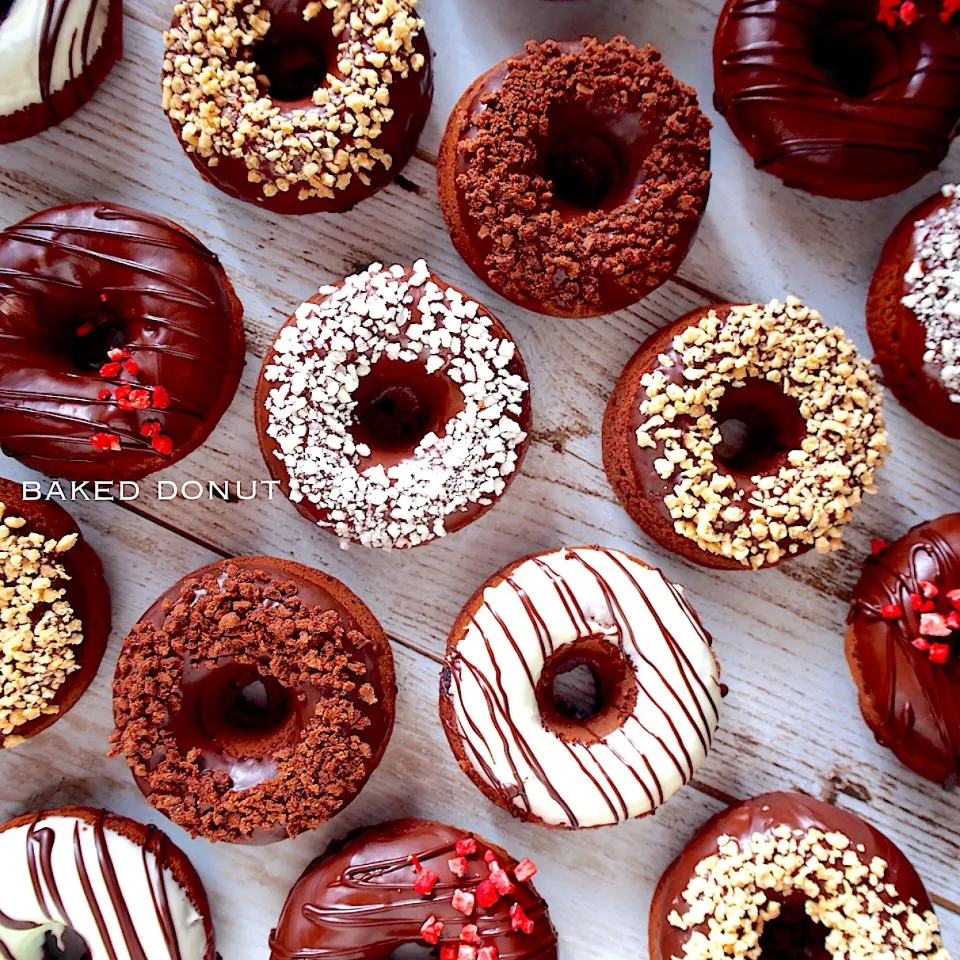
(760, 815)
(145, 283)
(911, 704)
(857, 136)
(357, 901)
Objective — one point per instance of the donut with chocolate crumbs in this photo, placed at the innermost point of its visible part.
(86, 883)
(393, 408)
(913, 311)
(55, 608)
(253, 700)
(567, 764)
(123, 342)
(783, 874)
(903, 647)
(415, 883)
(573, 177)
(744, 434)
(298, 106)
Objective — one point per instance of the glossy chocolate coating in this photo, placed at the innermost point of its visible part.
(833, 102)
(143, 283)
(760, 815)
(357, 901)
(911, 704)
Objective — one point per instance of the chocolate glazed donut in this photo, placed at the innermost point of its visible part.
(833, 102)
(122, 341)
(909, 690)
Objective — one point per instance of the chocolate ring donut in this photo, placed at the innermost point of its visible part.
(392, 408)
(123, 342)
(254, 699)
(573, 177)
(657, 688)
(415, 882)
(55, 609)
(832, 101)
(904, 651)
(786, 875)
(86, 883)
(741, 435)
(299, 106)
(54, 56)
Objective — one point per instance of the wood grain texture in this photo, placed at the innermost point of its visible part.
(791, 720)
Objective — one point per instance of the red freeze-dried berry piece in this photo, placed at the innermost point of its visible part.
(934, 625)
(467, 951)
(953, 619)
(466, 847)
(489, 856)
(131, 367)
(103, 395)
(448, 953)
(161, 399)
(463, 902)
(922, 645)
(469, 933)
(150, 429)
(920, 605)
(877, 546)
(140, 399)
(431, 930)
(928, 589)
(487, 894)
(118, 353)
(110, 370)
(954, 597)
(458, 866)
(524, 870)
(105, 442)
(85, 329)
(502, 882)
(950, 7)
(519, 920)
(162, 444)
(425, 882)
(891, 611)
(908, 12)
(488, 953)
(939, 652)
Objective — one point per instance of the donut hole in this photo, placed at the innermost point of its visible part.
(593, 161)
(793, 935)
(398, 403)
(586, 689)
(63, 943)
(856, 53)
(759, 425)
(92, 334)
(294, 56)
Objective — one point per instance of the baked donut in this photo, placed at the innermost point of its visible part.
(904, 651)
(657, 699)
(299, 106)
(832, 100)
(84, 883)
(253, 700)
(913, 312)
(123, 342)
(741, 435)
(784, 875)
(54, 615)
(415, 882)
(392, 408)
(573, 177)
(55, 53)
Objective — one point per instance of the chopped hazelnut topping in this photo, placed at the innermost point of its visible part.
(216, 94)
(736, 891)
(810, 498)
(38, 627)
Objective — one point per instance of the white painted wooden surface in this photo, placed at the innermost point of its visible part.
(791, 719)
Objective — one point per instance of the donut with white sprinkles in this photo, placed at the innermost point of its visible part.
(392, 408)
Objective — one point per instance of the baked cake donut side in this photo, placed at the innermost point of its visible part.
(903, 647)
(657, 688)
(298, 106)
(783, 874)
(81, 882)
(913, 312)
(741, 435)
(573, 177)
(393, 408)
(254, 699)
(55, 609)
(55, 53)
(123, 342)
(415, 883)
(837, 97)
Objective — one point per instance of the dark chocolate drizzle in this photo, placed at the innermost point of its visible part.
(911, 703)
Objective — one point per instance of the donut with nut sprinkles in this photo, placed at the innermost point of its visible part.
(657, 681)
(299, 106)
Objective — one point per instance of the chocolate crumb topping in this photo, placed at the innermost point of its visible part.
(604, 256)
(225, 616)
